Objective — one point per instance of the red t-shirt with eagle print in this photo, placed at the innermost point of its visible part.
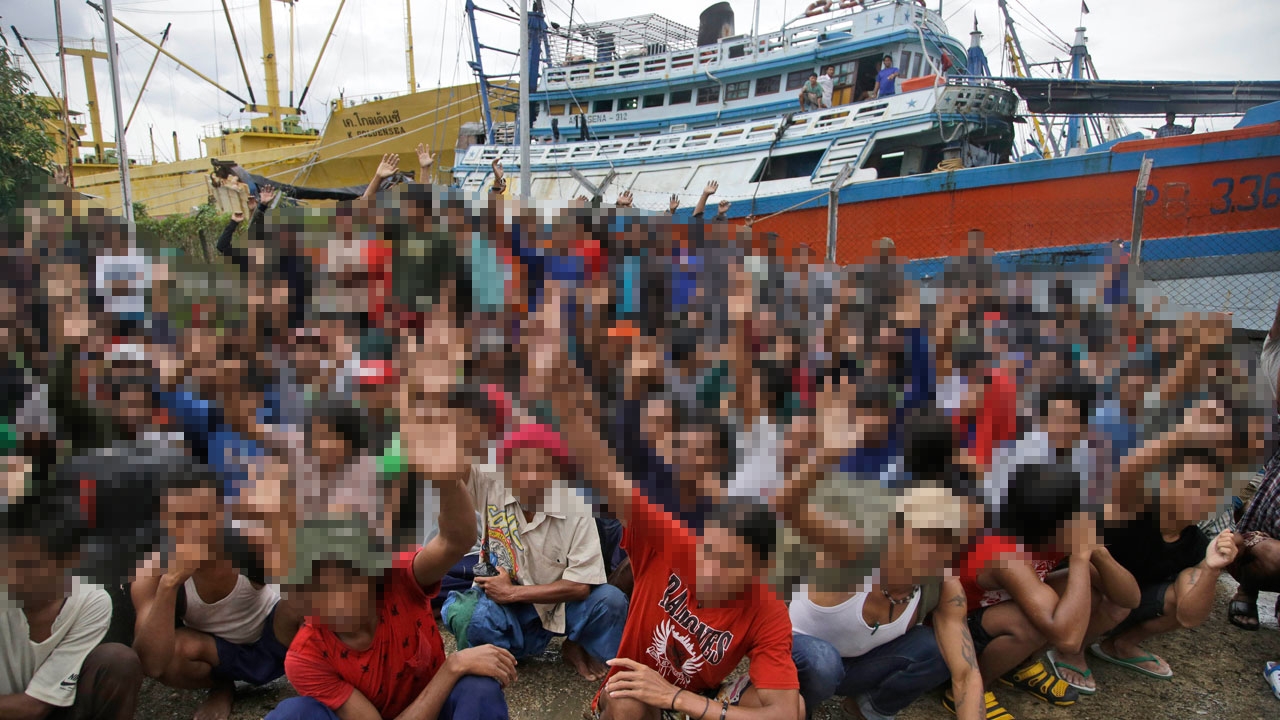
(692, 646)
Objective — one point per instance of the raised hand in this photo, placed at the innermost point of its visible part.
(710, 189)
(237, 216)
(625, 198)
(499, 177)
(432, 365)
(426, 158)
(266, 194)
(838, 431)
(545, 356)
(723, 207)
(390, 163)
(674, 203)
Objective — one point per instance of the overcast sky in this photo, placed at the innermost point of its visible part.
(1128, 39)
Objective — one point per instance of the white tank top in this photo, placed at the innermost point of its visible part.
(843, 625)
(237, 618)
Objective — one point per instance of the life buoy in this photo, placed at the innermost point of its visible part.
(850, 4)
(818, 7)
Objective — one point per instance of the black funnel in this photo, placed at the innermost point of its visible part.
(714, 23)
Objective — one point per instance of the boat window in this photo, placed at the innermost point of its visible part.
(904, 67)
(915, 70)
(738, 90)
(628, 103)
(557, 109)
(602, 106)
(768, 85)
(797, 79)
(654, 100)
(708, 95)
(782, 167)
(679, 97)
(576, 109)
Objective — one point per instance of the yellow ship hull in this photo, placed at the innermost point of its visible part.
(348, 150)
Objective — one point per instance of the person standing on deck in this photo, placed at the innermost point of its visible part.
(828, 84)
(1172, 129)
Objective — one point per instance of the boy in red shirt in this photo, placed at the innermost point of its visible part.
(699, 604)
(1018, 603)
(371, 649)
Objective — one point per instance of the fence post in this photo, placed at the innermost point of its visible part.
(833, 210)
(1135, 237)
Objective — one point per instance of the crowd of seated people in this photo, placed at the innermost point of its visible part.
(660, 443)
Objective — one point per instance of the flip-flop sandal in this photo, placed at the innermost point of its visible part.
(1054, 663)
(1130, 663)
(1243, 609)
(1272, 675)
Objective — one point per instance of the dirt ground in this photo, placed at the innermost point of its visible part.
(1217, 674)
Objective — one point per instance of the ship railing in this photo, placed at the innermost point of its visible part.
(728, 51)
(759, 133)
(219, 129)
(354, 100)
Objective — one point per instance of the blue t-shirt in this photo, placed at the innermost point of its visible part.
(886, 82)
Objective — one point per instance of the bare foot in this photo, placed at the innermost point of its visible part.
(1124, 651)
(580, 660)
(217, 704)
(1075, 677)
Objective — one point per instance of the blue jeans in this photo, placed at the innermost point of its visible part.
(459, 578)
(595, 624)
(889, 677)
(472, 698)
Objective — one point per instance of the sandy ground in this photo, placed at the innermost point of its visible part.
(1217, 674)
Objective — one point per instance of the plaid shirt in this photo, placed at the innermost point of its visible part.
(1172, 130)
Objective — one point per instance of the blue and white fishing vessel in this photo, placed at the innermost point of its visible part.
(648, 105)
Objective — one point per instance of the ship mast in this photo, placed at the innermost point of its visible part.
(273, 108)
(408, 46)
(126, 189)
(66, 109)
(522, 116)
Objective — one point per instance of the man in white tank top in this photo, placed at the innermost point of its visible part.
(871, 646)
(232, 627)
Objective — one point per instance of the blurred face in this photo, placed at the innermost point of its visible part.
(31, 574)
(192, 518)
(922, 553)
(1063, 424)
(1192, 490)
(127, 392)
(531, 471)
(327, 446)
(339, 597)
(725, 565)
(696, 458)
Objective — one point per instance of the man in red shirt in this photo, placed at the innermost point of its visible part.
(371, 650)
(699, 604)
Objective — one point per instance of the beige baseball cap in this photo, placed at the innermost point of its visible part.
(933, 507)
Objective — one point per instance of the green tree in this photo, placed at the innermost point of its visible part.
(24, 147)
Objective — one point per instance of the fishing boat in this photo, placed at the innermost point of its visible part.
(276, 142)
(647, 105)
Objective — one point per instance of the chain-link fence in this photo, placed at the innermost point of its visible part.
(1205, 252)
